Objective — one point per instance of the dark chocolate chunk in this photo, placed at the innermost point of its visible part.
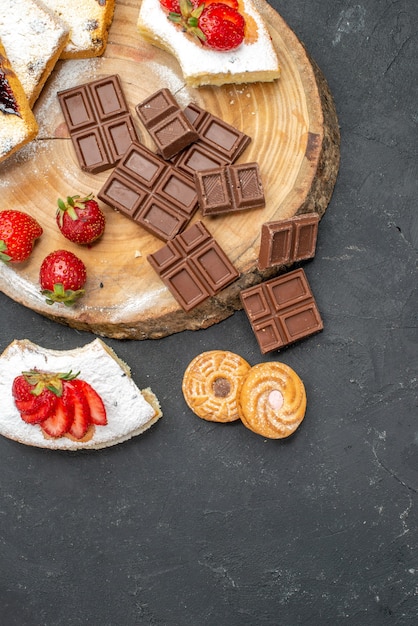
(150, 191)
(288, 241)
(156, 107)
(193, 266)
(219, 143)
(193, 139)
(198, 157)
(217, 134)
(281, 310)
(100, 125)
(166, 123)
(229, 188)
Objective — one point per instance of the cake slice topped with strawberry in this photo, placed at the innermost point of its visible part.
(215, 42)
(82, 398)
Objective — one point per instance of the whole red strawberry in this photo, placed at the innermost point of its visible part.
(222, 26)
(62, 276)
(217, 25)
(80, 220)
(18, 233)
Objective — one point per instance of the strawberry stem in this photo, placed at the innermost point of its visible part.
(41, 380)
(188, 18)
(3, 256)
(66, 296)
(72, 203)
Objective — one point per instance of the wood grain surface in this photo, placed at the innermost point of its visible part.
(295, 140)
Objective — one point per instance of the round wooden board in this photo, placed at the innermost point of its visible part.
(295, 140)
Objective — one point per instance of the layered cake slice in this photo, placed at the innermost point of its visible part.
(17, 123)
(207, 57)
(33, 38)
(88, 21)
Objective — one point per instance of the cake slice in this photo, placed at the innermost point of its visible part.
(88, 21)
(33, 38)
(17, 123)
(129, 411)
(254, 60)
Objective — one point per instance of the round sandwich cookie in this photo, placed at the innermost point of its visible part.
(272, 400)
(212, 383)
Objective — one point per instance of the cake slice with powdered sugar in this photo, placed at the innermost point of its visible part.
(33, 38)
(17, 123)
(89, 22)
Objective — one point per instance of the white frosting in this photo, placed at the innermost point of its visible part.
(196, 60)
(126, 408)
(32, 37)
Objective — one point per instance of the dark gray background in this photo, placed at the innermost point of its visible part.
(205, 524)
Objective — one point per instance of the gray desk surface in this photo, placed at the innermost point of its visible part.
(201, 524)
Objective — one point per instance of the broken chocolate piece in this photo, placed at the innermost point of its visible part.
(229, 188)
(166, 123)
(217, 134)
(193, 266)
(99, 122)
(288, 241)
(219, 143)
(281, 310)
(150, 191)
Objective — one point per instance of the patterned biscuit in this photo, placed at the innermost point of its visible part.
(272, 400)
(211, 385)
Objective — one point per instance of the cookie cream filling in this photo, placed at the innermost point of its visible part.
(255, 60)
(128, 412)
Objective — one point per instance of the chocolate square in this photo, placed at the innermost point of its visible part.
(229, 188)
(193, 266)
(281, 310)
(150, 191)
(287, 241)
(99, 122)
(166, 123)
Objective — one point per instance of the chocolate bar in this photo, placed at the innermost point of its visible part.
(229, 188)
(288, 241)
(219, 143)
(150, 191)
(166, 123)
(99, 122)
(193, 266)
(281, 310)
